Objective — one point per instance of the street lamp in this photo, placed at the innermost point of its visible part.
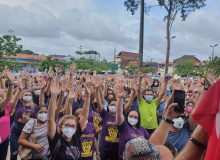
(172, 37)
(213, 46)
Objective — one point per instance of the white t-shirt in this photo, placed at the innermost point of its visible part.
(41, 133)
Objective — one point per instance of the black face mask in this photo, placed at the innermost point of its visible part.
(95, 104)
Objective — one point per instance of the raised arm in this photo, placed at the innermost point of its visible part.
(4, 102)
(51, 125)
(85, 110)
(97, 95)
(15, 99)
(119, 105)
(58, 73)
(41, 97)
(163, 91)
(127, 106)
(141, 75)
(2, 84)
(101, 94)
(50, 77)
(60, 101)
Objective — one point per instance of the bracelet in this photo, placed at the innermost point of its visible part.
(97, 154)
(168, 120)
(202, 146)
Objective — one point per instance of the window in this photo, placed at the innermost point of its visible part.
(132, 58)
(137, 59)
(128, 57)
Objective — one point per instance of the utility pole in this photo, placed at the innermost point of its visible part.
(114, 55)
(213, 50)
(141, 37)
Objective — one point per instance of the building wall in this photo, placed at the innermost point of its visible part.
(195, 60)
(126, 57)
(162, 70)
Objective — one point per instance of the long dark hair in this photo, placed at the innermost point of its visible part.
(138, 125)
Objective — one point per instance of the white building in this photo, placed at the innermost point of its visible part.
(162, 66)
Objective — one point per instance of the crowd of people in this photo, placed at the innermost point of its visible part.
(108, 117)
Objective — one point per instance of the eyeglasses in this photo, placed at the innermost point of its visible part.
(68, 125)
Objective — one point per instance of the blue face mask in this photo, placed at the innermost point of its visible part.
(149, 98)
(126, 103)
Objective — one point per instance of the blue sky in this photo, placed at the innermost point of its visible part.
(59, 27)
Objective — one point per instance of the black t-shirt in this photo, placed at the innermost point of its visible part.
(36, 98)
(68, 150)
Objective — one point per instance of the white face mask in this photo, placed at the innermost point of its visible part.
(37, 92)
(42, 117)
(83, 93)
(45, 82)
(126, 85)
(178, 123)
(132, 121)
(155, 84)
(187, 97)
(15, 81)
(68, 132)
(112, 109)
(30, 85)
(111, 88)
(65, 94)
(27, 98)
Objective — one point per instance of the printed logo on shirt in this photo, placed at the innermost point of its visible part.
(22, 120)
(73, 152)
(133, 135)
(86, 146)
(87, 135)
(96, 113)
(113, 132)
(96, 121)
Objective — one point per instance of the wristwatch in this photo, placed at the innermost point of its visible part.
(168, 120)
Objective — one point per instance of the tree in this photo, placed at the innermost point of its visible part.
(173, 7)
(148, 70)
(48, 62)
(130, 69)
(8, 45)
(200, 70)
(27, 52)
(213, 64)
(11, 65)
(184, 68)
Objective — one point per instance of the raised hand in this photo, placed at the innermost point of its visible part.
(58, 69)
(88, 77)
(134, 85)
(20, 85)
(69, 85)
(140, 72)
(120, 91)
(94, 73)
(210, 79)
(169, 112)
(150, 82)
(45, 72)
(25, 74)
(55, 89)
(42, 85)
(87, 91)
(96, 82)
(10, 76)
(72, 69)
(177, 84)
(72, 94)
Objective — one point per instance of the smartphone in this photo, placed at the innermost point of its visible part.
(167, 78)
(179, 98)
(204, 82)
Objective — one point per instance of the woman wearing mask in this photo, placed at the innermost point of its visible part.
(109, 141)
(40, 148)
(25, 110)
(128, 126)
(88, 142)
(70, 129)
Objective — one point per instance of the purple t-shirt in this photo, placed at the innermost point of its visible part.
(20, 111)
(109, 140)
(126, 133)
(95, 118)
(87, 141)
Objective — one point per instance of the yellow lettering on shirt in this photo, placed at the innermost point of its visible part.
(96, 121)
(113, 132)
(86, 146)
(133, 135)
(96, 113)
(87, 135)
(113, 123)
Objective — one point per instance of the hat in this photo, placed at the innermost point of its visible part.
(140, 149)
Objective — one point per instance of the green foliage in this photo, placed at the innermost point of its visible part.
(47, 63)
(148, 70)
(8, 44)
(11, 65)
(27, 52)
(92, 65)
(184, 68)
(130, 69)
(214, 64)
(200, 71)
